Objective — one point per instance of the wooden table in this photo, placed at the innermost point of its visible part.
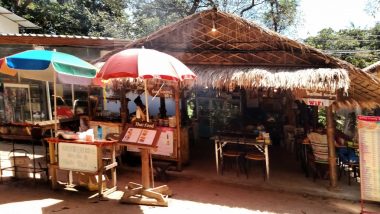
(84, 146)
(223, 139)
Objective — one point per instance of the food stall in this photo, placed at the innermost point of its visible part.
(165, 98)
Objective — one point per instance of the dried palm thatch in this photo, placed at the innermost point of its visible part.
(322, 79)
(242, 53)
(373, 69)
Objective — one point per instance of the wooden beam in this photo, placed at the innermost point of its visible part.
(62, 40)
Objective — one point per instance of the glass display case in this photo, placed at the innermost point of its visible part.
(17, 105)
(217, 112)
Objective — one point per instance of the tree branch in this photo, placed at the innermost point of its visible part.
(194, 7)
(247, 8)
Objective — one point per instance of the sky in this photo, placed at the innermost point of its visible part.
(337, 14)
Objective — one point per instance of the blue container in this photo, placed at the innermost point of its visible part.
(100, 132)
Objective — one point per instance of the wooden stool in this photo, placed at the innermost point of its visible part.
(255, 157)
(235, 155)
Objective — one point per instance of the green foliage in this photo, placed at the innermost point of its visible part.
(79, 17)
(360, 47)
(338, 119)
(150, 15)
(134, 19)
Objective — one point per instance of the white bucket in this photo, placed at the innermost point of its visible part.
(172, 122)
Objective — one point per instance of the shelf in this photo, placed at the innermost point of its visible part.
(216, 113)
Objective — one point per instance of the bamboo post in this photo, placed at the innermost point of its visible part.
(331, 147)
(178, 122)
(123, 107)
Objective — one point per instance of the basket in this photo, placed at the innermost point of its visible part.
(20, 161)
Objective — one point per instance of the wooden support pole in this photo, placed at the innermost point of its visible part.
(178, 126)
(331, 147)
(123, 107)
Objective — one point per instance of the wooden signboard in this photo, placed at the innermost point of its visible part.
(321, 99)
(320, 95)
(165, 91)
(77, 157)
(317, 102)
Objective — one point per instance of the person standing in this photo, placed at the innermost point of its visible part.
(140, 109)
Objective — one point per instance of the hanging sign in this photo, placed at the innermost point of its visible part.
(317, 102)
(165, 91)
(369, 152)
(320, 95)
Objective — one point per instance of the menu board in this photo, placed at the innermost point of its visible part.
(165, 143)
(369, 150)
(140, 137)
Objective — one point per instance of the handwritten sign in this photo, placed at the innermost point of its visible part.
(164, 91)
(320, 95)
(369, 149)
(143, 124)
(77, 157)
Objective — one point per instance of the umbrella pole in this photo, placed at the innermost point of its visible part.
(48, 100)
(55, 102)
(72, 97)
(146, 100)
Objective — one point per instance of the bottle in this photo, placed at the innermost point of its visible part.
(100, 132)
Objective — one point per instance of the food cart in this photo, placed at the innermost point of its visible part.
(173, 143)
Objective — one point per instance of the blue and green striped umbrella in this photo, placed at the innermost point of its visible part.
(44, 65)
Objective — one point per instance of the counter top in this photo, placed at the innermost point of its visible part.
(95, 142)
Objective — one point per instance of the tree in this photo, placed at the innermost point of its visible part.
(373, 7)
(80, 17)
(133, 19)
(149, 15)
(360, 47)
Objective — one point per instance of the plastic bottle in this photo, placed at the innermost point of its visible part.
(100, 132)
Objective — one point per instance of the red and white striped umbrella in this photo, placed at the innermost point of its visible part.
(144, 64)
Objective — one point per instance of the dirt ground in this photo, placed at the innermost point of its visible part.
(195, 189)
(190, 195)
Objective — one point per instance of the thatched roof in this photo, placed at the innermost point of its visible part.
(374, 68)
(243, 53)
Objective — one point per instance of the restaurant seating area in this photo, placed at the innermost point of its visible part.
(286, 173)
